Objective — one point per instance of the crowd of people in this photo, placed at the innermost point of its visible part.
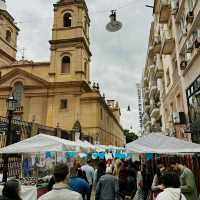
(115, 180)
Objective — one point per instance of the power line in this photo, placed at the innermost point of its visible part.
(92, 12)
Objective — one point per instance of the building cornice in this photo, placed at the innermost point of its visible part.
(7, 56)
(6, 14)
(25, 64)
(72, 40)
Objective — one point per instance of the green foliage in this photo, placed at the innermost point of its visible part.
(130, 136)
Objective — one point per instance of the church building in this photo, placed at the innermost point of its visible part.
(58, 93)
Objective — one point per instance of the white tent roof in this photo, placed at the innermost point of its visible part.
(86, 145)
(41, 143)
(100, 147)
(159, 143)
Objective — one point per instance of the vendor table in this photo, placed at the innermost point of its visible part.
(27, 192)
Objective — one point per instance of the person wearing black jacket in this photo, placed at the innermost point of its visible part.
(11, 191)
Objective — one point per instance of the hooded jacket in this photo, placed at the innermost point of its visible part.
(171, 194)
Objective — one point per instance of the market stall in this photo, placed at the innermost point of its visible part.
(39, 154)
(161, 144)
(41, 143)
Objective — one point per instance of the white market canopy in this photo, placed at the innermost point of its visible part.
(42, 143)
(108, 148)
(161, 144)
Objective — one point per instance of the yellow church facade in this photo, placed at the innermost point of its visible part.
(58, 93)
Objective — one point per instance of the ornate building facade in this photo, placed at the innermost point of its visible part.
(58, 93)
(171, 76)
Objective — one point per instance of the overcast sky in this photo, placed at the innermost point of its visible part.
(118, 58)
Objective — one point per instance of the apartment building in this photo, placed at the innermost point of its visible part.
(172, 72)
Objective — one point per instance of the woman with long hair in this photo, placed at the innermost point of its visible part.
(11, 191)
(117, 167)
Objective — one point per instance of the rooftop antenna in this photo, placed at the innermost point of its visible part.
(113, 25)
(23, 53)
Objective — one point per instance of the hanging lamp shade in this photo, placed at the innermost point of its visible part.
(113, 25)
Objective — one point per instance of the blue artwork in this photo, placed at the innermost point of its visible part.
(83, 156)
(71, 154)
(101, 155)
(94, 156)
(149, 156)
(48, 155)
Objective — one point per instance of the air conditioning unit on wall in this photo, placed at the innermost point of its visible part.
(179, 117)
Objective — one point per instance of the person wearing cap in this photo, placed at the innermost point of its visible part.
(107, 187)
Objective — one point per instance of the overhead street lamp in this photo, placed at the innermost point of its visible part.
(11, 107)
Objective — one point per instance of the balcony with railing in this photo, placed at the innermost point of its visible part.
(152, 88)
(165, 11)
(147, 108)
(151, 69)
(155, 111)
(157, 44)
(159, 72)
(168, 42)
(191, 51)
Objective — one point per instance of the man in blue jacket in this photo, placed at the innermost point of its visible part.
(78, 184)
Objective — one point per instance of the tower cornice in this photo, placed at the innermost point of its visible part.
(79, 40)
(6, 14)
(72, 2)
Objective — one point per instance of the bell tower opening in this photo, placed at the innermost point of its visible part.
(67, 20)
(70, 36)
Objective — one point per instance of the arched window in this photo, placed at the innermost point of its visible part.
(67, 20)
(18, 92)
(65, 65)
(8, 36)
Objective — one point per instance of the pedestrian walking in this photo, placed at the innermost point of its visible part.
(131, 181)
(123, 180)
(139, 193)
(61, 190)
(78, 184)
(187, 180)
(100, 171)
(117, 167)
(89, 171)
(147, 182)
(107, 187)
(11, 191)
(171, 184)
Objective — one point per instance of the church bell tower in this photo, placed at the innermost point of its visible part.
(70, 52)
(8, 36)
